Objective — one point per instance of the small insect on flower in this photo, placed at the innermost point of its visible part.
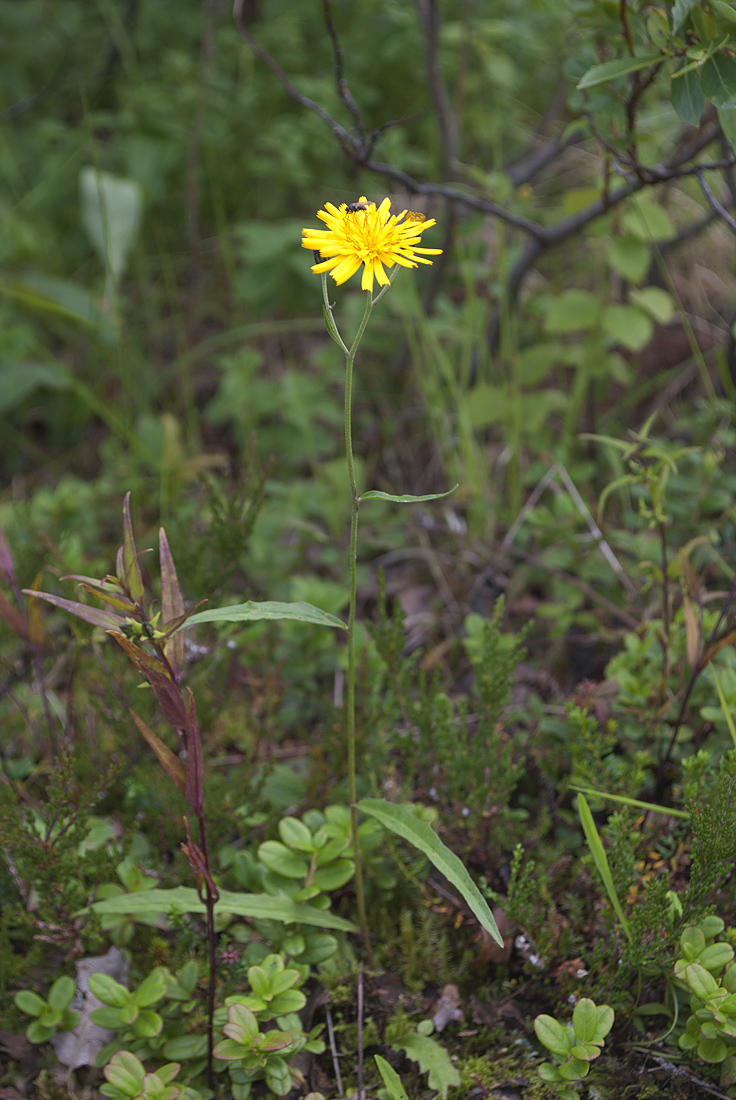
(415, 216)
(354, 207)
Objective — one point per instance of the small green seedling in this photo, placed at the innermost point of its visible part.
(53, 1014)
(253, 1054)
(126, 1009)
(574, 1046)
(707, 971)
(127, 1080)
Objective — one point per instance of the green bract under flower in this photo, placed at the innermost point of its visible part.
(363, 233)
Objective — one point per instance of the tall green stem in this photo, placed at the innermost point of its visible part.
(354, 507)
(349, 353)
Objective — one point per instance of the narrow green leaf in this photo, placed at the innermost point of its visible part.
(651, 806)
(186, 900)
(724, 707)
(130, 556)
(601, 860)
(725, 10)
(253, 611)
(374, 494)
(391, 1079)
(401, 820)
(620, 66)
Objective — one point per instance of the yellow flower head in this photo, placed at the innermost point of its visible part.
(363, 233)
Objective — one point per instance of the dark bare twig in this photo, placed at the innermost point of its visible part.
(430, 17)
(342, 86)
(473, 202)
(717, 206)
(346, 140)
(532, 163)
(333, 1050)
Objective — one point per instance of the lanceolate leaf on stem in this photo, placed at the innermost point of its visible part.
(405, 498)
(172, 603)
(169, 761)
(253, 611)
(620, 66)
(185, 899)
(400, 819)
(105, 619)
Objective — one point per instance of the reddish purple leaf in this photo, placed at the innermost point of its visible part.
(172, 604)
(105, 619)
(171, 763)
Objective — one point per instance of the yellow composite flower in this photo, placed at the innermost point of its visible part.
(363, 233)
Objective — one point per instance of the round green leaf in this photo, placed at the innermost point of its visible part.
(630, 257)
(572, 311)
(574, 1070)
(185, 1047)
(716, 956)
(334, 875)
(548, 1072)
(279, 859)
(552, 1035)
(585, 1020)
(712, 1050)
(29, 1002)
(295, 834)
(656, 302)
(37, 1033)
(318, 947)
(61, 993)
(107, 1017)
(701, 981)
(290, 1001)
(107, 990)
(628, 326)
(148, 1024)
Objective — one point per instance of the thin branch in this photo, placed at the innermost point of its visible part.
(471, 201)
(345, 139)
(342, 86)
(717, 206)
(333, 1050)
(527, 167)
(447, 123)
